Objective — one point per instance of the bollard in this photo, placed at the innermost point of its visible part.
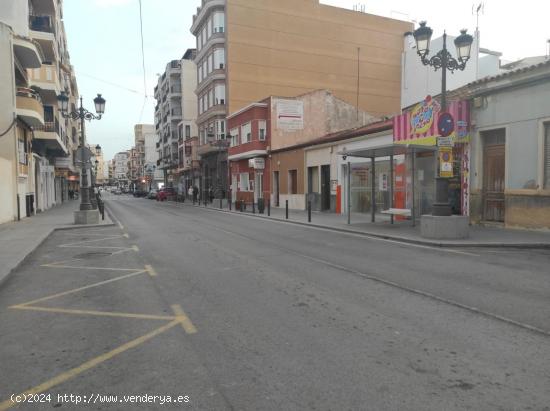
(309, 211)
(286, 209)
(229, 203)
(220, 203)
(253, 207)
(241, 206)
(268, 207)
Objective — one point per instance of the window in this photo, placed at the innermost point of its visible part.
(200, 73)
(292, 182)
(246, 133)
(547, 155)
(210, 63)
(202, 136)
(219, 22)
(261, 130)
(219, 58)
(219, 91)
(211, 93)
(21, 151)
(204, 73)
(220, 130)
(204, 35)
(244, 182)
(234, 137)
(187, 131)
(209, 29)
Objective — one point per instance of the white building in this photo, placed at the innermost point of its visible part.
(121, 169)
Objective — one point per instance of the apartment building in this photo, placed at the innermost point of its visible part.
(175, 115)
(34, 165)
(153, 175)
(120, 169)
(97, 163)
(250, 49)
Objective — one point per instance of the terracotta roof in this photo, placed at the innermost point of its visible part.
(510, 73)
(343, 135)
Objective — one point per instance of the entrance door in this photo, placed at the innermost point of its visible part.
(234, 188)
(276, 188)
(325, 188)
(493, 175)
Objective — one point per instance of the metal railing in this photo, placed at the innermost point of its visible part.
(41, 23)
(28, 92)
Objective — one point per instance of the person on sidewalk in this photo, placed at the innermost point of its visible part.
(190, 192)
(195, 194)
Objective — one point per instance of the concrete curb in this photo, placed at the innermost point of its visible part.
(521, 245)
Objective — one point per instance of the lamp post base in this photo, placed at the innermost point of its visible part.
(86, 217)
(441, 207)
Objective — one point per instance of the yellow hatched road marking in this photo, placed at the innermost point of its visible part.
(94, 313)
(67, 375)
(183, 319)
(50, 297)
(150, 270)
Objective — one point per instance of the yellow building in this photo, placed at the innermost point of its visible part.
(250, 49)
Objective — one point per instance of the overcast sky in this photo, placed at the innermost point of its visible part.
(105, 46)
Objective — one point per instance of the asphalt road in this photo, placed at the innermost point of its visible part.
(247, 314)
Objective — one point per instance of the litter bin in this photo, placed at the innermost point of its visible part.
(261, 205)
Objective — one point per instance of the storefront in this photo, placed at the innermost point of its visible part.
(400, 173)
(250, 180)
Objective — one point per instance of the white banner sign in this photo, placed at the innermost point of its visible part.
(290, 115)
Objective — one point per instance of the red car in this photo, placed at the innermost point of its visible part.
(166, 192)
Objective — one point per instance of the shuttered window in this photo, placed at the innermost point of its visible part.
(547, 155)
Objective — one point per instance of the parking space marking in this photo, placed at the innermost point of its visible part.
(67, 375)
(73, 244)
(183, 319)
(95, 313)
(75, 290)
(150, 270)
(89, 268)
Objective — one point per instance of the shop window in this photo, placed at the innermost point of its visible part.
(292, 181)
(547, 155)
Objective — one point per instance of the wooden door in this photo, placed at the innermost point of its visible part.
(493, 182)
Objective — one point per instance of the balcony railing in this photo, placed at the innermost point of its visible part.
(41, 23)
(175, 64)
(49, 127)
(28, 92)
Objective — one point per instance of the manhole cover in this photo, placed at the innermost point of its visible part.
(92, 255)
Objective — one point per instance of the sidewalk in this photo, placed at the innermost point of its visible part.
(19, 239)
(403, 231)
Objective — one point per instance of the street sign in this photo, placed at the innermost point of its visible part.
(445, 124)
(445, 142)
(257, 163)
(83, 155)
(446, 162)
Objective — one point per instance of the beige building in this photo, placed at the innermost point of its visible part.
(250, 49)
(35, 147)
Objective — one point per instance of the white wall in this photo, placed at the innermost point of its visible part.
(15, 13)
(418, 80)
(6, 191)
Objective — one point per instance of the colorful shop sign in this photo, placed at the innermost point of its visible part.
(420, 125)
(445, 162)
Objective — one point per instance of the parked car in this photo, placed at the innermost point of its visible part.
(152, 194)
(165, 192)
(140, 193)
(117, 192)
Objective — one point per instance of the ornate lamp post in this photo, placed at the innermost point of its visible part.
(445, 61)
(82, 114)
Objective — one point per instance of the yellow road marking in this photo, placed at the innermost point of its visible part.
(94, 313)
(120, 225)
(112, 237)
(125, 235)
(67, 375)
(91, 268)
(135, 248)
(95, 246)
(150, 270)
(50, 297)
(183, 319)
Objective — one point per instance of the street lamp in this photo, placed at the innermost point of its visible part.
(82, 114)
(445, 61)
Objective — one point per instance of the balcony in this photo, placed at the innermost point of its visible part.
(48, 137)
(29, 107)
(46, 80)
(28, 53)
(43, 31)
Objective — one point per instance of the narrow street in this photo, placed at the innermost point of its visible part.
(241, 313)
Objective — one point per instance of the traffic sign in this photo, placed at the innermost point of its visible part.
(445, 124)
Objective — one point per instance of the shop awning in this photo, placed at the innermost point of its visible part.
(386, 151)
